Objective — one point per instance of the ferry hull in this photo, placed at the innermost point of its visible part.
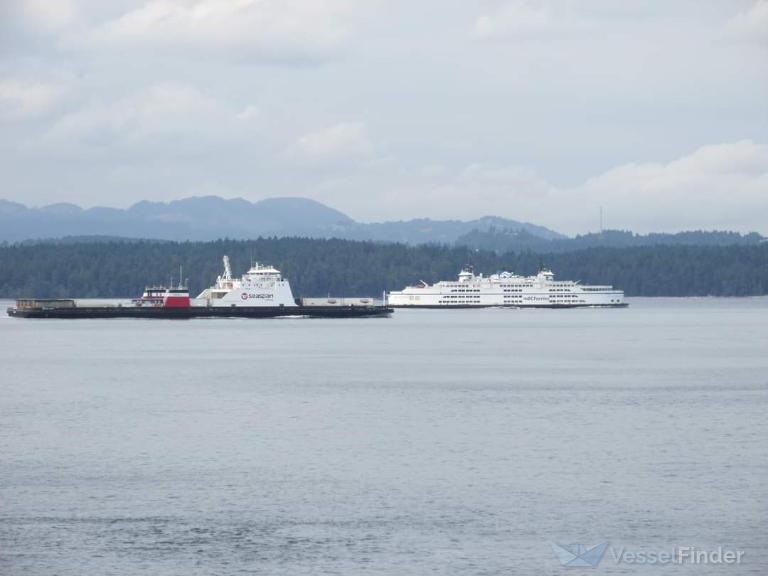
(202, 312)
(519, 307)
(506, 290)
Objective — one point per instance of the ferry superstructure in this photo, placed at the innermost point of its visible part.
(506, 290)
(261, 292)
(261, 285)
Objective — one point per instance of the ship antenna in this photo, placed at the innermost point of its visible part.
(227, 268)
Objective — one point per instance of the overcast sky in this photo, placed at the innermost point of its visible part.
(532, 110)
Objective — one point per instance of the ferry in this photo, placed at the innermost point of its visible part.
(261, 292)
(505, 289)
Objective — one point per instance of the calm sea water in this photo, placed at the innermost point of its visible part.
(433, 442)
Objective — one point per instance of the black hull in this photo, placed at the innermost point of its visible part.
(203, 312)
(469, 306)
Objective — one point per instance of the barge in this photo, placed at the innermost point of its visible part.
(261, 292)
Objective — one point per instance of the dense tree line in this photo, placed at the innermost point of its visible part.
(343, 267)
(502, 240)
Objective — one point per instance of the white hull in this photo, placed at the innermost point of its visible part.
(506, 290)
(261, 286)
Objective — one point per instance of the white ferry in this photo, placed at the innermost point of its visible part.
(505, 289)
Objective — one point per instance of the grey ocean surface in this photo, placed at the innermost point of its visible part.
(443, 442)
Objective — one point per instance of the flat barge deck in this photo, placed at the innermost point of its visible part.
(261, 292)
(69, 309)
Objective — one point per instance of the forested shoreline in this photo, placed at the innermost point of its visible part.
(345, 268)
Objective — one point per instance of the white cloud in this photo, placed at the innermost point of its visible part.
(750, 25)
(49, 14)
(476, 190)
(249, 113)
(265, 29)
(343, 141)
(162, 109)
(719, 186)
(516, 17)
(20, 99)
(722, 186)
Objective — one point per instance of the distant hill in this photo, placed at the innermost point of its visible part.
(203, 218)
(426, 231)
(211, 217)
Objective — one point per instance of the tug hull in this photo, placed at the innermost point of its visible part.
(74, 312)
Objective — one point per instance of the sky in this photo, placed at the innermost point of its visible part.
(654, 111)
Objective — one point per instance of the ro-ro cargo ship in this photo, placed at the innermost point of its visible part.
(261, 292)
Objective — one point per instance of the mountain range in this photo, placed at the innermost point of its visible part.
(211, 217)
